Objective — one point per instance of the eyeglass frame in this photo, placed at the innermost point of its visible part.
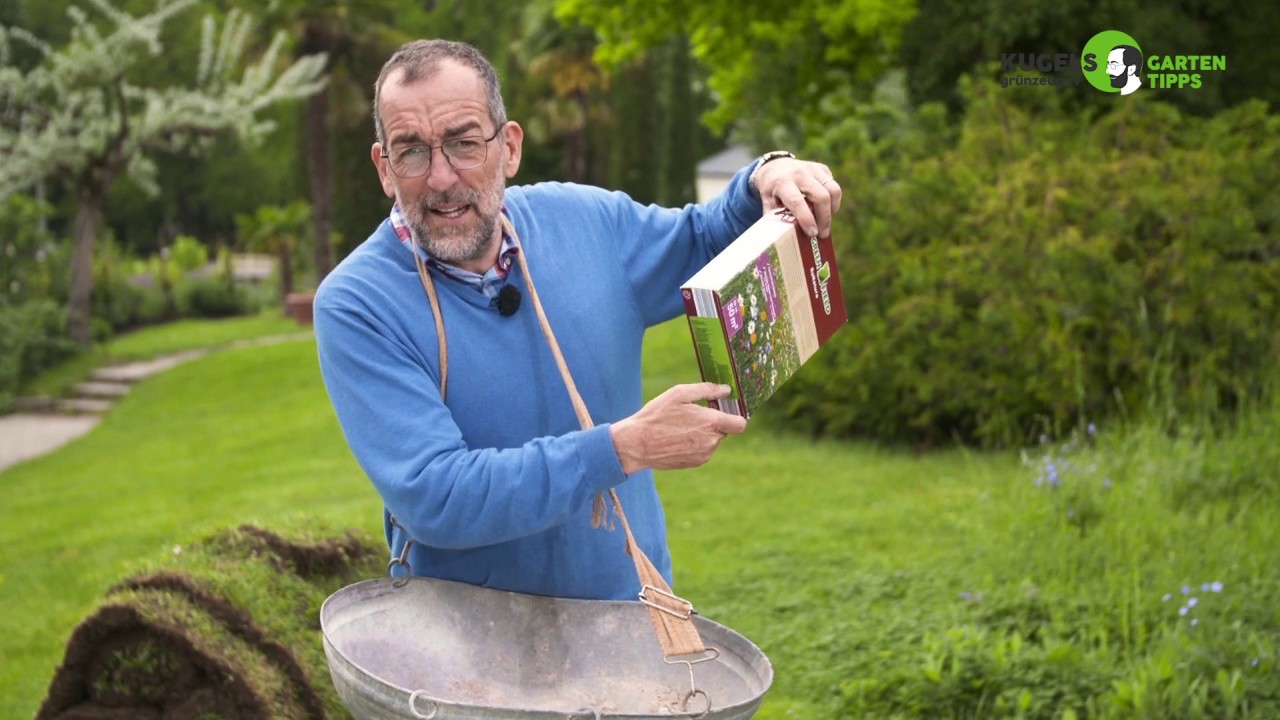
(431, 150)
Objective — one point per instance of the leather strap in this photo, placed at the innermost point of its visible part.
(672, 616)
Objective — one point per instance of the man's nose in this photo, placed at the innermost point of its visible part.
(440, 175)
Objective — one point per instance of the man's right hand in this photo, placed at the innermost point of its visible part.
(672, 431)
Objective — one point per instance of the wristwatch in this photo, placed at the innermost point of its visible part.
(768, 157)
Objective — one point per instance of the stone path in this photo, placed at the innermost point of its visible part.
(27, 435)
(43, 425)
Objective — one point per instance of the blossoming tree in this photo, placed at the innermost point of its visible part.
(80, 117)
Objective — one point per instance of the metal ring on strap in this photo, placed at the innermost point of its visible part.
(413, 705)
(711, 653)
(402, 561)
(696, 692)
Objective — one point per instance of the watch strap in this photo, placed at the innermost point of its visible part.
(768, 157)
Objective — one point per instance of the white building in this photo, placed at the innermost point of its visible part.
(715, 172)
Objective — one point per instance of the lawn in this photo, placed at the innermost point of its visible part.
(161, 340)
(881, 583)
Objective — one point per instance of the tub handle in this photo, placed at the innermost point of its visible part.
(431, 705)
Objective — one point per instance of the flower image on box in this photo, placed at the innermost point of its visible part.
(766, 349)
(762, 308)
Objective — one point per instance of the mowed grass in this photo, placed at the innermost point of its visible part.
(859, 571)
(161, 340)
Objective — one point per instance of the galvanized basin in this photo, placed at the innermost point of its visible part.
(449, 651)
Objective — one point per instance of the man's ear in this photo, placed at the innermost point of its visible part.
(384, 172)
(512, 141)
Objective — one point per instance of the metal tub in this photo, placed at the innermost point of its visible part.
(450, 651)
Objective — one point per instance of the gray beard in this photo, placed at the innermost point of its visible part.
(457, 250)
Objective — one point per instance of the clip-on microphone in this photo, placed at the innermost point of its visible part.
(508, 301)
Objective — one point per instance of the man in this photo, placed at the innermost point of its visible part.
(1124, 65)
(493, 479)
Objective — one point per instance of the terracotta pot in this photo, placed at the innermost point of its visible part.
(299, 306)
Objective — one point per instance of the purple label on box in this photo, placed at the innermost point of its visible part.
(769, 286)
(731, 313)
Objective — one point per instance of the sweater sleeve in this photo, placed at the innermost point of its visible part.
(404, 437)
(662, 248)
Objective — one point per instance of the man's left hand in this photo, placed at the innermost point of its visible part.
(804, 188)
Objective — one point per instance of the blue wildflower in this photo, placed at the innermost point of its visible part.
(1167, 597)
(1106, 483)
(1184, 610)
(1092, 428)
(1192, 602)
(1186, 590)
(1215, 586)
(1195, 622)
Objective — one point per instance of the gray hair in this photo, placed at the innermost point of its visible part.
(420, 59)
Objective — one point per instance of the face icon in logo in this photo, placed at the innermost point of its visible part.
(1112, 62)
(1124, 62)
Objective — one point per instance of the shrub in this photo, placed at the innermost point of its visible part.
(116, 302)
(31, 264)
(1037, 269)
(212, 298)
(33, 337)
(126, 294)
(188, 253)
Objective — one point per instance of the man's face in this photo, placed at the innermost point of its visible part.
(1116, 69)
(454, 213)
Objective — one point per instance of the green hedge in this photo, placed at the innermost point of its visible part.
(1033, 270)
(213, 298)
(33, 337)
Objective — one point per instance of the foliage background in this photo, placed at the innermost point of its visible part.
(1023, 259)
(1023, 272)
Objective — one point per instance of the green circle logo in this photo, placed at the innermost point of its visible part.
(1112, 62)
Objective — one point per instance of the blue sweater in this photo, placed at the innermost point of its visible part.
(496, 483)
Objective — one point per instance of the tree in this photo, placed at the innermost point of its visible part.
(80, 115)
(782, 70)
(560, 56)
(336, 29)
(278, 230)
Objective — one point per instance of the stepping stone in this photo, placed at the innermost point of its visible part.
(84, 406)
(104, 390)
(134, 372)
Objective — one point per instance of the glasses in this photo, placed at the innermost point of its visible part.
(1115, 64)
(463, 153)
